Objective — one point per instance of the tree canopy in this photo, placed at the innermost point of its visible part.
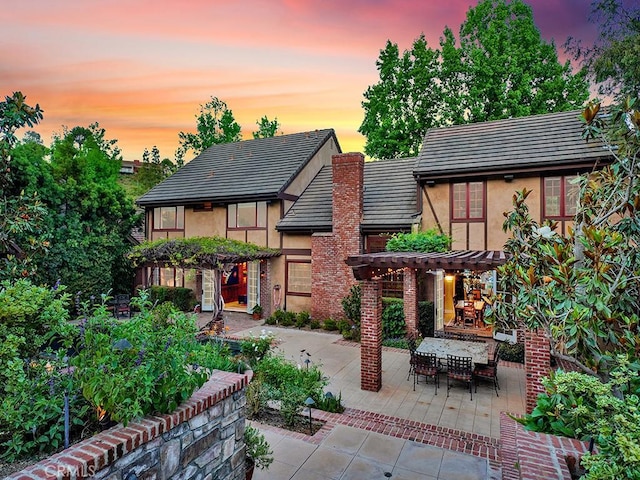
(501, 68)
(614, 60)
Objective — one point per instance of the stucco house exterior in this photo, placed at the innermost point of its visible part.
(299, 193)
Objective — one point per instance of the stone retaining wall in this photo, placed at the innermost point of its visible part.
(203, 438)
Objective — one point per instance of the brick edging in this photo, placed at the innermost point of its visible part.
(85, 458)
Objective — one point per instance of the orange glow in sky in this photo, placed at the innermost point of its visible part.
(142, 69)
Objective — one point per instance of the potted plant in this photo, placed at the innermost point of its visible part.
(258, 453)
(257, 312)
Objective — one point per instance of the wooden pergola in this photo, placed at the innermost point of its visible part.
(211, 253)
(370, 268)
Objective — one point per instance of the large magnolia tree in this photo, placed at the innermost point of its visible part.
(583, 289)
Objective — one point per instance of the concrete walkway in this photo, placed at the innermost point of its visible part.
(395, 433)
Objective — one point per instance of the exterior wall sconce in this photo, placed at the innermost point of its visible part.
(508, 178)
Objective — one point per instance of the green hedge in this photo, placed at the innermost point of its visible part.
(183, 298)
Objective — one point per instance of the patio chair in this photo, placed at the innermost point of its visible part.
(461, 369)
(489, 371)
(412, 343)
(426, 364)
(469, 314)
(121, 306)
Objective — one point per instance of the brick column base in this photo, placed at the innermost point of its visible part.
(371, 336)
(537, 364)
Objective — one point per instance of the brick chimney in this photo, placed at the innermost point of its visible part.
(331, 277)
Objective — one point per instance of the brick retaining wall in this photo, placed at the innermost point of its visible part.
(203, 438)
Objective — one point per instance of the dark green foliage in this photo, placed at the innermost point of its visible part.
(427, 241)
(315, 324)
(426, 318)
(148, 364)
(182, 298)
(270, 320)
(303, 319)
(329, 403)
(330, 324)
(288, 319)
(396, 343)
(393, 324)
(512, 352)
(351, 304)
(500, 67)
(343, 326)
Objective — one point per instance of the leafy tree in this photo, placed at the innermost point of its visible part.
(266, 128)
(582, 289)
(215, 124)
(20, 213)
(404, 103)
(614, 60)
(509, 70)
(151, 171)
(502, 68)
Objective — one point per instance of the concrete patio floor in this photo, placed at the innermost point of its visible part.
(394, 433)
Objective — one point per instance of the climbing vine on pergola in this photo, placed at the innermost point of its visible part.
(213, 253)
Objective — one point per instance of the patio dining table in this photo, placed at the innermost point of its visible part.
(478, 351)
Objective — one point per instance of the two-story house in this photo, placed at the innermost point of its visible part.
(240, 191)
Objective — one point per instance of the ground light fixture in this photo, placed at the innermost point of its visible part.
(309, 402)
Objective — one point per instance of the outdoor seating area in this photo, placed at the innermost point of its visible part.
(462, 358)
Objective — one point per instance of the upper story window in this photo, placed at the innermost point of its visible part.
(247, 215)
(168, 218)
(560, 197)
(467, 201)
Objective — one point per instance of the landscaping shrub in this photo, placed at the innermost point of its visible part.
(330, 324)
(426, 318)
(148, 364)
(257, 397)
(288, 319)
(329, 403)
(581, 406)
(393, 323)
(512, 352)
(303, 319)
(255, 348)
(183, 298)
(427, 241)
(314, 324)
(351, 304)
(395, 343)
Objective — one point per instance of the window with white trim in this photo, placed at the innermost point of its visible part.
(247, 215)
(298, 277)
(560, 197)
(168, 218)
(467, 201)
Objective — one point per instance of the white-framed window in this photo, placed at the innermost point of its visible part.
(560, 196)
(247, 215)
(168, 277)
(467, 201)
(168, 218)
(299, 277)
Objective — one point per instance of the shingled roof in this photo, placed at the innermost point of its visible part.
(389, 200)
(515, 145)
(251, 170)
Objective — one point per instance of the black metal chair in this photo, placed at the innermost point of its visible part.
(461, 369)
(412, 343)
(489, 371)
(426, 364)
(468, 337)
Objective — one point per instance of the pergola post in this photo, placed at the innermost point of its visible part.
(371, 335)
(411, 300)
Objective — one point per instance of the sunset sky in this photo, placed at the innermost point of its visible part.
(142, 68)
